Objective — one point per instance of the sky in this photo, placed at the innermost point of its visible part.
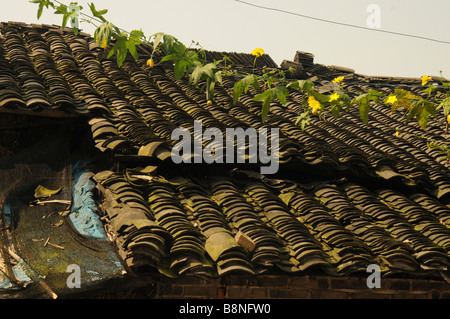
(230, 25)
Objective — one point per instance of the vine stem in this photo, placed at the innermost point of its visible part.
(254, 64)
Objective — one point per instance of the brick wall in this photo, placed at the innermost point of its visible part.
(301, 287)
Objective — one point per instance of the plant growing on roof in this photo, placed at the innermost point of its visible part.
(444, 103)
(258, 52)
(318, 103)
(185, 60)
(70, 12)
(271, 85)
(273, 88)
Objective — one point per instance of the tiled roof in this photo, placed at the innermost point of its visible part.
(339, 227)
(347, 194)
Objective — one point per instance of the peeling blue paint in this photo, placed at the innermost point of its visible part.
(84, 210)
(20, 272)
(5, 283)
(92, 272)
(7, 214)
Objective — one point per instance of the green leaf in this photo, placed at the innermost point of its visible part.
(303, 85)
(430, 89)
(211, 84)
(344, 100)
(218, 77)
(98, 14)
(250, 80)
(403, 94)
(168, 42)
(191, 56)
(265, 109)
(282, 98)
(180, 69)
(40, 10)
(136, 37)
(132, 49)
(364, 109)
(200, 70)
(445, 104)
(179, 48)
(335, 110)
(133, 40)
(195, 76)
(363, 101)
(62, 9)
(42, 4)
(422, 118)
(263, 96)
(430, 107)
(171, 57)
(209, 70)
(157, 40)
(281, 93)
(422, 111)
(113, 50)
(414, 109)
(322, 98)
(374, 95)
(121, 55)
(237, 91)
(121, 48)
(64, 21)
(304, 119)
(266, 97)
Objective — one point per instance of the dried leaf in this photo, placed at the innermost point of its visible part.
(42, 192)
(58, 223)
(64, 213)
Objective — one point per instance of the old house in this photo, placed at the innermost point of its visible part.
(90, 196)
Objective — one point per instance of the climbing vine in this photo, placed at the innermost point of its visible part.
(270, 86)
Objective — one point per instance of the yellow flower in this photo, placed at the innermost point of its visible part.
(314, 104)
(258, 52)
(150, 63)
(426, 79)
(338, 79)
(334, 97)
(397, 134)
(448, 118)
(104, 43)
(391, 99)
(209, 102)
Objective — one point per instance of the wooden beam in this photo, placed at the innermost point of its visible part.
(42, 113)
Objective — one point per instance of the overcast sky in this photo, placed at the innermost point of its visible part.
(228, 25)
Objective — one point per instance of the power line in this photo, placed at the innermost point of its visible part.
(342, 24)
